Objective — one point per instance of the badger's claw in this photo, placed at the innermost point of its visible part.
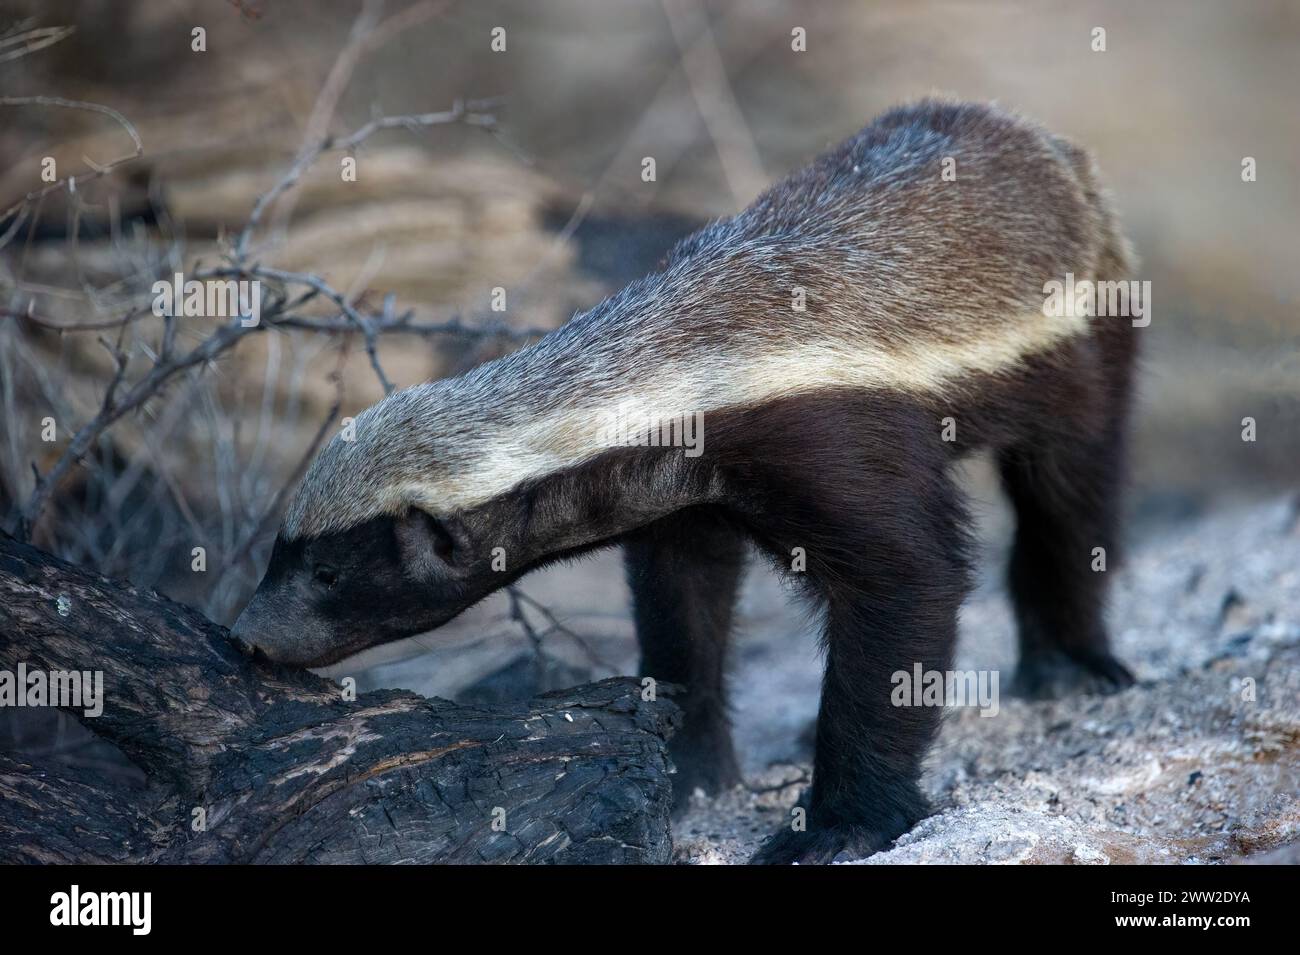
(821, 846)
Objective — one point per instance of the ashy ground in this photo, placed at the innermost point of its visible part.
(1198, 763)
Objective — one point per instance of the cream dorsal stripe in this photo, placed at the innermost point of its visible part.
(447, 462)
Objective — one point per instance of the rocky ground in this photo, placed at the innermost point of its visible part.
(1199, 763)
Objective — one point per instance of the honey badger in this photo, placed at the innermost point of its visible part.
(922, 300)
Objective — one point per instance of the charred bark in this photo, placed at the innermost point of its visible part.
(248, 762)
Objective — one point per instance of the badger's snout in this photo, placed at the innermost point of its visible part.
(261, 633)
(241, 643)
(244, 635)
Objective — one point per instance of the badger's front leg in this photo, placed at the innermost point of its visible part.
(684, 571)
(890, 569)
(865, 790)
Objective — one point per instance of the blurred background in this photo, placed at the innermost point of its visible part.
(548, 203)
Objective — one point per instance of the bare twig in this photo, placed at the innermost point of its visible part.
(23, 40)
(460, 112)
(353, 320)
(661, 120)
(707, 76)
(517, 600)
(97, 169)
(402, 324)
(518, 616)
(368, 34)
(387, 322)
(802, 779)
(113, 409)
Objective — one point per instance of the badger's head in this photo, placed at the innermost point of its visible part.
(445, 492)
(393, 530)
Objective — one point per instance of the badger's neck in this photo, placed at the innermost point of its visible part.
(596, 384)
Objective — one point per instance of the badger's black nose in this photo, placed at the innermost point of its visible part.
(250, 650)
(245, 642)
(242, 645)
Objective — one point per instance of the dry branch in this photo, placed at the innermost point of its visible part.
(23, 40)
(460, 112)
(18, 211)
(275, 314)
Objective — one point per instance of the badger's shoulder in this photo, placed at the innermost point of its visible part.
(954, 209)
(895, 168)
(913, 252)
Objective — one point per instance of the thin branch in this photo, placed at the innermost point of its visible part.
(97, 169)
(370, 326)
(402, 324)
(518, 598)
(707, 76)
(460, 112)
(745, 46)
(367, 35)
(518, 616)
(802, 779)
(112, 410)
(387, 322)
(37, 38)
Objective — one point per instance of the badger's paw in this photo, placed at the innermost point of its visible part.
(822, 846)
(1054, 675)
(712, 770)
(692, 777)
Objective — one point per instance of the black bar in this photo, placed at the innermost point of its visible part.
(299, 904)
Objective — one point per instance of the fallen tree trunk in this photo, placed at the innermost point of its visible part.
(248, 762)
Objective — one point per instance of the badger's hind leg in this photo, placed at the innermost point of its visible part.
(1065, 489)
(684, 571)
(1065, 480)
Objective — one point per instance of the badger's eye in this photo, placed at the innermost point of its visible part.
(325, 574)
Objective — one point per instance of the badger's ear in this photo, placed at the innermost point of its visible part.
(430, 546)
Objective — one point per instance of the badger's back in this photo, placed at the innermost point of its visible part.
(885, 245)
(867, 269)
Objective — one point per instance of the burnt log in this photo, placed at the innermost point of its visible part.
(249, 762)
